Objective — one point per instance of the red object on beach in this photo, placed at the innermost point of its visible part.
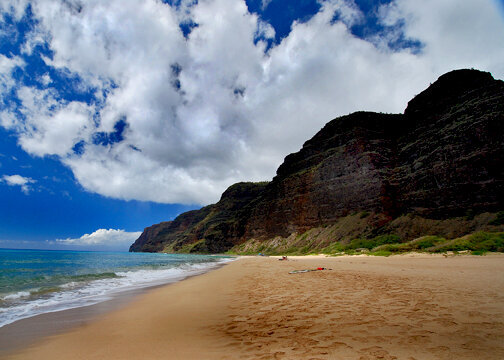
(320, 268)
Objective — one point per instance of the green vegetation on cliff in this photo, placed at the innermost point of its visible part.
(355, 235)
(477, 243)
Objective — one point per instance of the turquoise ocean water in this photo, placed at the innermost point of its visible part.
(34, 282)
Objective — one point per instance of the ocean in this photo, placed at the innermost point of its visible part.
(34, 282)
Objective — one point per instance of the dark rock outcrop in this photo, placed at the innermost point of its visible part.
(452, 154)
(220, 225)
(440, 159)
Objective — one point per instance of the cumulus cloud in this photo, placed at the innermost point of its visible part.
(178, 117)
(51, 127)
(455, 34)
(18, 180)
(102, 237)
(7, 84)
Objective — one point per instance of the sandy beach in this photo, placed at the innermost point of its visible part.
(400, 307)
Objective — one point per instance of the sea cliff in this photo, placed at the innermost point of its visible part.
(437, 169)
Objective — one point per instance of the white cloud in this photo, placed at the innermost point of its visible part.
(51, 127)
(265, 30)
(265, 4)
(7, 65)
(45, 79)
(102, 237)
(7, 83)
(213, 109)
(15, 8)
(456, 33)
(18, 180)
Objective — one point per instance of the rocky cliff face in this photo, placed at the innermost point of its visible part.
(443, 157)
(451, 155)
(211, 229)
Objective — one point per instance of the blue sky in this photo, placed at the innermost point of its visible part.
(117, 115)
(55, 206)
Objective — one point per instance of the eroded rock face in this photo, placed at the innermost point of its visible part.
(220, 225)
(442, 157)
(343, 169)
(451, 155)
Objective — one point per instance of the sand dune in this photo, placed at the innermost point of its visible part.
(402, 307)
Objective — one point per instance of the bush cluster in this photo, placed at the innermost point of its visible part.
(361, 243)
(374, 242)
(499, 219)
(385, 245)
(479, 242)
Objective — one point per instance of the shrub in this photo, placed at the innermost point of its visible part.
(306, 249)
(499, 220)
(392, 248)
(364, 214)
(479, 242)
(374, 242)
(478, 252)
(487, 241)
(386, 239)
(355, 243)
(381, 253)
(292, 250)
(427, 242)
(360, 243)
(334, 247)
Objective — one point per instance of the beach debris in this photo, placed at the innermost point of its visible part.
(307, 270)
(283, 258)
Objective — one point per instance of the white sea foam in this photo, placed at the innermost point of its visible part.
(15, 296)
(75, 295)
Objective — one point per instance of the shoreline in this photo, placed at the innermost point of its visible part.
(25, 332)
(419, 306)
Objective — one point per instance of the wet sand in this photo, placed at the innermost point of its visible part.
(400, 307)
(25, 332)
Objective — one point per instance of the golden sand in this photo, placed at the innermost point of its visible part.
(400, 307)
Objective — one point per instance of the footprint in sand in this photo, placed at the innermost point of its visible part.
(340, 345)
(439, 350)
(376, 352)
(278, 354)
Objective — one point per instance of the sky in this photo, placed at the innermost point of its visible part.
(119, 114)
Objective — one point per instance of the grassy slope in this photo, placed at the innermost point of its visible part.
(360, 233)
